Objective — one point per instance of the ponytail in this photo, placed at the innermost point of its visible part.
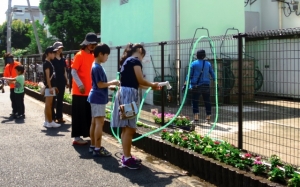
(44, 57)
(129, 50)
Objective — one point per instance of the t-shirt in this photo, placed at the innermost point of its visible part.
(48, 65)
(10, 71)
(83, 62)
(59, 66)
(98, 95)
(128, 78)
(19, 84)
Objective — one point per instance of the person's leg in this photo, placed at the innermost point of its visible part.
(13, 101)
(59, 103)
(48, 108)
(18, 104)
(207, 103)
(195, 103)
(80, 116)
(22, 105)
(128, 161)
(53, 107)
(92, 135)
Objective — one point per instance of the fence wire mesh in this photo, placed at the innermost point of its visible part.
(270, 88)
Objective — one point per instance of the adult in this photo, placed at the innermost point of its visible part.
(201, 71)
(61, 82)
(131, 79)
(50, 82)
(82, 84)
(10, 72)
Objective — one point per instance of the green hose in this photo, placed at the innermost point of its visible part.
(184, 97)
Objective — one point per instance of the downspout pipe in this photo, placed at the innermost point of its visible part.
(280, 14)
(177, 35)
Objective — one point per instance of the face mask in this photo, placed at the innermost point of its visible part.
(9, 60)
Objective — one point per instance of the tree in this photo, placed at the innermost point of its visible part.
(32, 48)
(19, 38)
(70, 20)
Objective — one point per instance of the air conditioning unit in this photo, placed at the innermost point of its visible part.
(295, 5)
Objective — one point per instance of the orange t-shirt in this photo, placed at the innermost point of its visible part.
(83, 64)
(10, 71)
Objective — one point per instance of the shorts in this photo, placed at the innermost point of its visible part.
(47, 92)
(98, 110)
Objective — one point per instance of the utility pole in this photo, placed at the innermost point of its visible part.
(35, 30)
(8, 36)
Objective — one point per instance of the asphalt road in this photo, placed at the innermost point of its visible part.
(31, 155)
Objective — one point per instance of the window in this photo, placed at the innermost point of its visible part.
(122, 2)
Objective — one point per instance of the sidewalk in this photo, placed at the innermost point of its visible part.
(31, 155)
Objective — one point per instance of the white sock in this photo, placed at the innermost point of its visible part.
(97, 148)
(126, 158)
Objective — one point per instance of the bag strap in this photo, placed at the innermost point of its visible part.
(201, 73)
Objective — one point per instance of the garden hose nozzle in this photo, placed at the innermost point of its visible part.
(167, 84)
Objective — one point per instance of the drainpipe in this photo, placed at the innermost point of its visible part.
(177, 34)
(280, 14)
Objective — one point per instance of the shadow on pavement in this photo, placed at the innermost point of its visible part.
(56, 131)
(142, 177)
(7, 119)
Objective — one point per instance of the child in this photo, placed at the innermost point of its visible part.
(19, 91)
(98, 98)
(131, 79)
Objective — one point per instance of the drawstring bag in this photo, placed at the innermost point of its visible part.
(127, 111)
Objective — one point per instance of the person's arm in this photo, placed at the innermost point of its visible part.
(212, 73)
(76, 77)
(100, 77)
(6, 71)
(66, 77)
(140, 77)
(9, 79)
(108, 84)
(47, 72)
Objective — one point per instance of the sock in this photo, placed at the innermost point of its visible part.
(97, 148)
(76, 138)
(126, 158)
(91, 146)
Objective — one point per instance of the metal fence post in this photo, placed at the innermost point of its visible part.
(162, 45)
(118, 58)
(240, 37)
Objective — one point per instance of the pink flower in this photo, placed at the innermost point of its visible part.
(258, 162)
(227, 155)
(165, 130)
(217, 142)
(258, 158)
(247, 155)
(185, 138)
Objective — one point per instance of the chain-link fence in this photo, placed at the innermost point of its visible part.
(269, 120)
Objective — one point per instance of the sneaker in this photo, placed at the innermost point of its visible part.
(102, 152)
(91, 149)
(79, 142)
(130, 164)
(54, 125)
(45, 124)
(137, 160)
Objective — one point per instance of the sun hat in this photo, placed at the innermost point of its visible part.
(90, 38)
(58, 45)
(50, 49)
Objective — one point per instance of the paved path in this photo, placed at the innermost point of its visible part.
(31, 155)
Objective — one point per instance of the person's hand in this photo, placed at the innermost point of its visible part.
(155, 86)
(112, 87)
(183, 88)
(56, 90)
(115, 82)
(51, 91)
(82, 89)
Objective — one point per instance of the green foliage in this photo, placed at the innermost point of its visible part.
(70, 20)
(276, 175)
(295, 181)
(275, 161)
(32, 48)
(18, 52)
(19, 37)
(289, 171)
(68, 98)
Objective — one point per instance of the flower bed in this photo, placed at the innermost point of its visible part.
(229, 154)
(182, 122)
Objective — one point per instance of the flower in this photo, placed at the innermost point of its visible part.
(258, 158)
(217, 142)
(195, 141)
(247, 155)
(258, 162)
(227, 155)
(185, 138)
(165, 130)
